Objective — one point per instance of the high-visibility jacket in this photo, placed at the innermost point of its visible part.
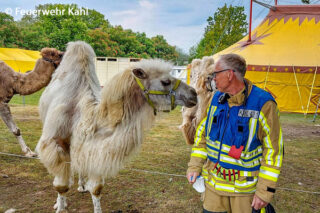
(239, 145)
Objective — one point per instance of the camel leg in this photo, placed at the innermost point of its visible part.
(61, 185)
(95, 187)
(8, 120)
(81, 184)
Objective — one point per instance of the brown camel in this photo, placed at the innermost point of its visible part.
(12, 83)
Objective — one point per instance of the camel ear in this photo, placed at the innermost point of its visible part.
(139, 73)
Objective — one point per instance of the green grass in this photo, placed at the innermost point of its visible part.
(28, 187)
(27, 100)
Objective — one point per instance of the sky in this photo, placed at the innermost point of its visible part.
(181, 22)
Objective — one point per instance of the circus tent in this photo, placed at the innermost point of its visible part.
(18, 59)
(283, 56)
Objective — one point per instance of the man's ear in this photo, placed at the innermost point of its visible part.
(139, 73)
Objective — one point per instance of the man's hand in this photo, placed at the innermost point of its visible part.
(257, 203)
(192, 176)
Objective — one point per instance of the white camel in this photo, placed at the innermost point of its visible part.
(92, 133)
(191, 117)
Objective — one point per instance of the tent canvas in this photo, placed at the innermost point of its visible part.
(283, 56)
(18, 59)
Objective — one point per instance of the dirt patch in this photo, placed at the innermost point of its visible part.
(294, 131)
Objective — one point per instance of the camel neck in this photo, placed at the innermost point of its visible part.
(39, 77)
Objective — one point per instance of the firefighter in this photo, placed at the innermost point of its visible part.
(238, 147)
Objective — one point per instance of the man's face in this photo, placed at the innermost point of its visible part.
(221, 77)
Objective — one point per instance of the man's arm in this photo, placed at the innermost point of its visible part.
(270, 135)
(198, 154)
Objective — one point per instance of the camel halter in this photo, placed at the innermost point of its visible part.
(51, 61)
(146, 92)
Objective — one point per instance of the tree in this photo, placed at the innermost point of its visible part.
(163, 49)
(102, 44)
(227, 26)
(305, 1)
(9, 32)
(57, 29)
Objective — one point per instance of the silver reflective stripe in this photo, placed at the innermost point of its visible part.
(271, 174)
(199, 152)
(199, 132)
(225, 148)
(213, 143)
(224, 188)
(246, 183)
(253, 153)
(212, 111)
(231, 160)
(252, 126)
(212, 153)
(280, 154)
(247, 113)
(251, 191)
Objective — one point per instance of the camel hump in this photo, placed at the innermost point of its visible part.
(79, 52)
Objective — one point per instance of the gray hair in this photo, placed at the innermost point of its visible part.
(235, 62)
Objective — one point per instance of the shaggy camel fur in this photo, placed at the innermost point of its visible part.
(94, 134)
(12, 83)
(193, 116)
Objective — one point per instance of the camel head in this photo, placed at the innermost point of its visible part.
(52, 55)
(162, 91)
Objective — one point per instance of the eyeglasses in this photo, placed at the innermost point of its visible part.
(211, 76)
(214, 74)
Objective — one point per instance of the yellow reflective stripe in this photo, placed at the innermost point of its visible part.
(269, 173)
(280, 153)
(245, 174)
(225, 148)
(213, 154)
(252, 154)
(263, 210)
(227, 159)
(224, 187)
(245, 183)
(211, 118)
(200, 130)
(199, 155)
(215, 144)
(199, 152)
(212, 182)
(199, 149)
(204, 171)
(252, 129)
(267, 140)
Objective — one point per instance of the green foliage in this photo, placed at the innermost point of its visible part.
(163, 49)
(227, 26)
(9, 32)
(55, 30)
(305, 1)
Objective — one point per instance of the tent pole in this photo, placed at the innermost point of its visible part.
(295, 77)
(266, 79)
(314, 78)
(250, 21)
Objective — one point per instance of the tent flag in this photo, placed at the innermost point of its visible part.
(283, 56)
(18, 59)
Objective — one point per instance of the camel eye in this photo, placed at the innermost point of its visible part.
(165, 82)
